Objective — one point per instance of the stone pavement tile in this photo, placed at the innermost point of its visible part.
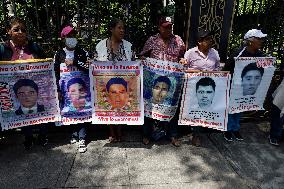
(99, 166)
(258, 162)
(187, 164)
(187, 185)
(39, 168)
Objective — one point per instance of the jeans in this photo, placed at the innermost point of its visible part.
(234, 122)
(150, 123)
(79, 132)
(276, 123)
(28, 130)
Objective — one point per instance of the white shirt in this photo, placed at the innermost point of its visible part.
(27, 110)
(69, 54)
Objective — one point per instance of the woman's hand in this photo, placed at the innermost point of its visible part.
(183, 61)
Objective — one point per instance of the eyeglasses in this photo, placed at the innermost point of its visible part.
(18, 29)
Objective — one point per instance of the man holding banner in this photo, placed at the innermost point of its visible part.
(250, 77)
(168, 47)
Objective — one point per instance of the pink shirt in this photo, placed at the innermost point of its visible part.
(198, 61)
(156, 48)
(21, 53)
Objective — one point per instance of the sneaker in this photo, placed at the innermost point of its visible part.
(82, 146)
(28, 143)
(238, 136)
(196, 141)
(273, 141)
(73, 140)
(43, 140)
(228, 136)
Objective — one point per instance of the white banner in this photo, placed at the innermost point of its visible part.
(28, 93)
(205, 100)
(163, 82)
(117, 93)
(250, 83)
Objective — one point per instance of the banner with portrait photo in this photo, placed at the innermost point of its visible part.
(28, 93)
(117, 93)
(76, 104)
(205, 100)
(250, 83)
(163, 82)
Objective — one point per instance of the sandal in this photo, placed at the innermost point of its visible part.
(112, 139)
(146, 141)
(176, 142)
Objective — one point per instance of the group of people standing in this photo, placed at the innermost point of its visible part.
(162, 46)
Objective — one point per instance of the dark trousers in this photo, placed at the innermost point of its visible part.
(276, 123)
(150, 123)
(28, 130)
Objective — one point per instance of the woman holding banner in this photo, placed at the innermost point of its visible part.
(114, 48)
(253, 42)
(201, 58)
(18, 47)
(73, 55)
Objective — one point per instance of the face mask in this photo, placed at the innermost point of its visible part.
(71, 42)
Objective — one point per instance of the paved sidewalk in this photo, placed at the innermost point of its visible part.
(252, 163)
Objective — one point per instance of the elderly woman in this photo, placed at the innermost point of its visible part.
(253, 42)
(18, 47)
(114, 48)
(201, 58)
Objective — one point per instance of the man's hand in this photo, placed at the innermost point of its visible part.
(68, 62)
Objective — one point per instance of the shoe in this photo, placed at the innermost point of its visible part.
(145, 141)
(176, 142)
(28, 144)
(196, 141)
(228, 136)
(73, 140)
(82, 146)
(238, 135)
(273, 141)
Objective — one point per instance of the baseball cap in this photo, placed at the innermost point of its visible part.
(254, 33)
(65, 31)
(203, 33)
(165, 21)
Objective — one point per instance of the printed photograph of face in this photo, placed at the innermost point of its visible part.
(117, 93)
(77, 92)
(26, 91)
(160, 89)
(205, 92)
(251, 78)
